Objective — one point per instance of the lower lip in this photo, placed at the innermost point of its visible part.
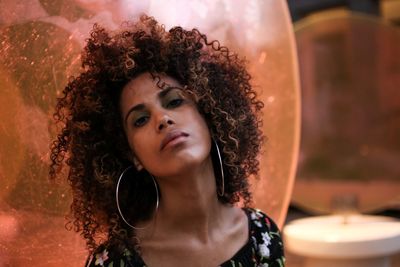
(176, 141)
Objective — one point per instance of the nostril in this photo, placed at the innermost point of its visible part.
(165, 123)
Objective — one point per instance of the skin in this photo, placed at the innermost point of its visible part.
(191, 227)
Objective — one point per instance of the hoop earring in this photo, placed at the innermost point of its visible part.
(222, 191)
(117, 198)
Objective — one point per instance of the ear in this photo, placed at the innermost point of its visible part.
(134, 160)
(137, 164)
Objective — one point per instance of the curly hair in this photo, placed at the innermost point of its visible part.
(92, 143)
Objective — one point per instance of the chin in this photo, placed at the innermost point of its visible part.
(185, 161)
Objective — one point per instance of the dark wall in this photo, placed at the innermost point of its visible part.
(301, 8)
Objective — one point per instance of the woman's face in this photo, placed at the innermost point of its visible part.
(165, 131)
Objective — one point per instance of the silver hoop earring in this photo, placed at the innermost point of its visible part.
(221, 192)
(117, 198)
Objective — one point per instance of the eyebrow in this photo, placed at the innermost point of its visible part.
(160, 95)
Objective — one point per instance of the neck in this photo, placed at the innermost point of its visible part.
(189, 203)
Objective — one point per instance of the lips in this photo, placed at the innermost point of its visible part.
(170, 136)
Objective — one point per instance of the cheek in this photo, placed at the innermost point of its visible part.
(202, 132)
(138, 144)
(202, 125)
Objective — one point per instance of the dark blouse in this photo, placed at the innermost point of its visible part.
(263, 249)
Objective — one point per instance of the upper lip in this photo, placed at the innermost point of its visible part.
(171, 136)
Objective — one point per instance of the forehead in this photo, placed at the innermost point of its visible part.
(145, 85)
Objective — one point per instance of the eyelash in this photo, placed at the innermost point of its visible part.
(174, 103)
(139, 124)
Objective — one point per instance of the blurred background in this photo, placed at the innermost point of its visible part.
(349, 62)
(338, 152)
(349, 70)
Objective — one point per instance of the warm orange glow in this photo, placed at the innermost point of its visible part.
(40, 47)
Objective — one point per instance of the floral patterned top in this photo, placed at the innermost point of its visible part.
(263, 249)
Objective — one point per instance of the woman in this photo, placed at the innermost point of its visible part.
(161, 133)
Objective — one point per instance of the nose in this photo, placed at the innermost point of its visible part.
(164, 122)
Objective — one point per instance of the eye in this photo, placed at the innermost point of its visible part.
(175, 103)
(140, 121)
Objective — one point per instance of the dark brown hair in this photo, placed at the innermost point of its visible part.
(92, 142)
